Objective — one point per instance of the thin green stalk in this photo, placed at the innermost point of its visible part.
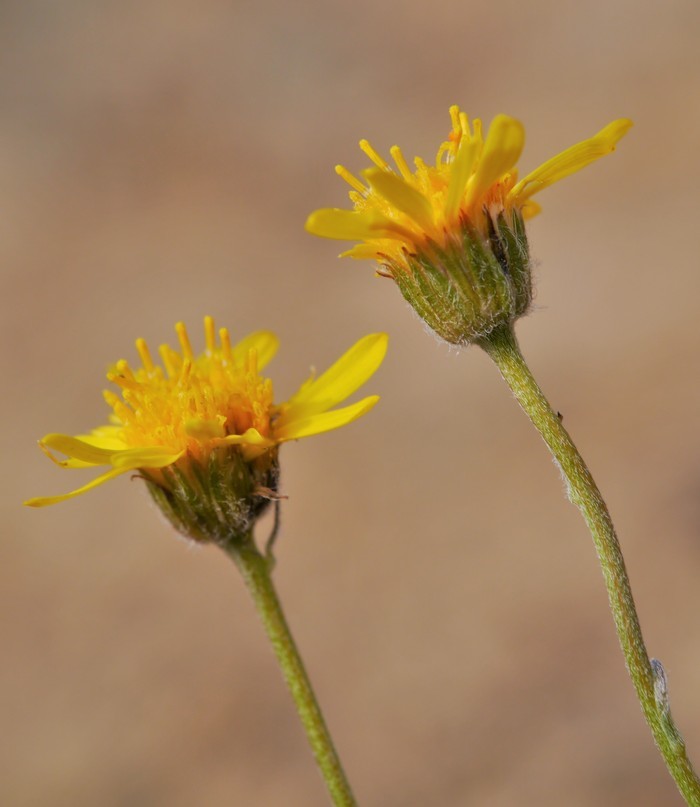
(647, 674)
(256, 569)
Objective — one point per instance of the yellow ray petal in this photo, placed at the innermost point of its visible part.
(361, 251)
(570, 160)
(251, 437)
(43, 501)
(265, 342)
(146, 457)
(401, 195)
(76, 449)
(326, 421)
(503, 146)
(70, 463)
(350, 225)
(104, 437)
(345, 376)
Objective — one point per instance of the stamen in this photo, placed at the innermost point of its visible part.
(185, 372)
(420, 164)
(144, 355)
(401, 163)
(123, 380)
(372, 154)
(449, 147)
(196, 398)
(225, 338)
(110, 397)
(181, 331)
(252, 362)
(352, 181)
(124, 370)
(456, 123)
(121, 410)
(210, 334)
(166, 355)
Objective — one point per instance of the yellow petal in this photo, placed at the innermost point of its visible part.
(251, 437)
(345, 376)
(570, 161)
(349, 225)
(361, 251)
(70, 463)
(401, 195)
(76, 449)
(104, 437)
(503, 146)
(147, 457)
(100, 438)
(326, 421)
(264, 342)
(43, 501)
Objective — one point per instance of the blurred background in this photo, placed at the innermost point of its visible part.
(158, 161)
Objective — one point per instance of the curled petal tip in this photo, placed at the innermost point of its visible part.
(616, 130)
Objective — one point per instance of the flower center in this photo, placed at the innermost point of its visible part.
(191, 402)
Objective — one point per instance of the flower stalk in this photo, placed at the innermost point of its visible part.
(452, 237)
(256, 571)
(647, 674)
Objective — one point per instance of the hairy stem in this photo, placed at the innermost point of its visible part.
(255, 569)
(647, 675)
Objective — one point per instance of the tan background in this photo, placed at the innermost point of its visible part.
(158, 160)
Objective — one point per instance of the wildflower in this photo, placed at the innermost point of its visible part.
(203, 431)
(452, 234)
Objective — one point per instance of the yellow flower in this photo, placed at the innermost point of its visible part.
(461, 217)
(180, 421)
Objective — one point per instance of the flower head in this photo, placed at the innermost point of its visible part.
(452, 234)
(203, 430)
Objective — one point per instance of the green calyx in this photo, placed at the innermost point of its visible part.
(478, 282)
(217, 501)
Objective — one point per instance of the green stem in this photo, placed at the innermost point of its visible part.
(647, 675)
(255, 569)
